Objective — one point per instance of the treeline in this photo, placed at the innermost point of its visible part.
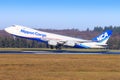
(7, 40)
(12, 42)
(115, 29)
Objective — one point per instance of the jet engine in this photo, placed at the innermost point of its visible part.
(70, 43)
(52, 42)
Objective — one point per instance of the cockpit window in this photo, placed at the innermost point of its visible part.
(13, 26)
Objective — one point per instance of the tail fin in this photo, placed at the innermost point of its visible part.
(103, 38)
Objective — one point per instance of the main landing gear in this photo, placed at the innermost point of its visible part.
(58, 47)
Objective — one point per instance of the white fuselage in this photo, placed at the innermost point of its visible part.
(32, 33)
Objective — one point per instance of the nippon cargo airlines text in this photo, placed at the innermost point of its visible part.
(32, 33)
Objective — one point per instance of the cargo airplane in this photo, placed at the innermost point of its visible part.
(56, 40)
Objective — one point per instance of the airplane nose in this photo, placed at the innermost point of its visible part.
(8, 29)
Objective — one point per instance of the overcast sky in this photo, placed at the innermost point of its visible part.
(60, 14)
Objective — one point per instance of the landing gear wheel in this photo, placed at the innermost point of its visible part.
(59, 47)
(51, 47)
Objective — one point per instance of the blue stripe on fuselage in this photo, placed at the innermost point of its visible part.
(37, 39)
(81, 46)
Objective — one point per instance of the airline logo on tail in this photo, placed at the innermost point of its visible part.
(103, 36)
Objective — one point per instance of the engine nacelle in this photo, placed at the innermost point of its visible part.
(52, 42)
(70, 43)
